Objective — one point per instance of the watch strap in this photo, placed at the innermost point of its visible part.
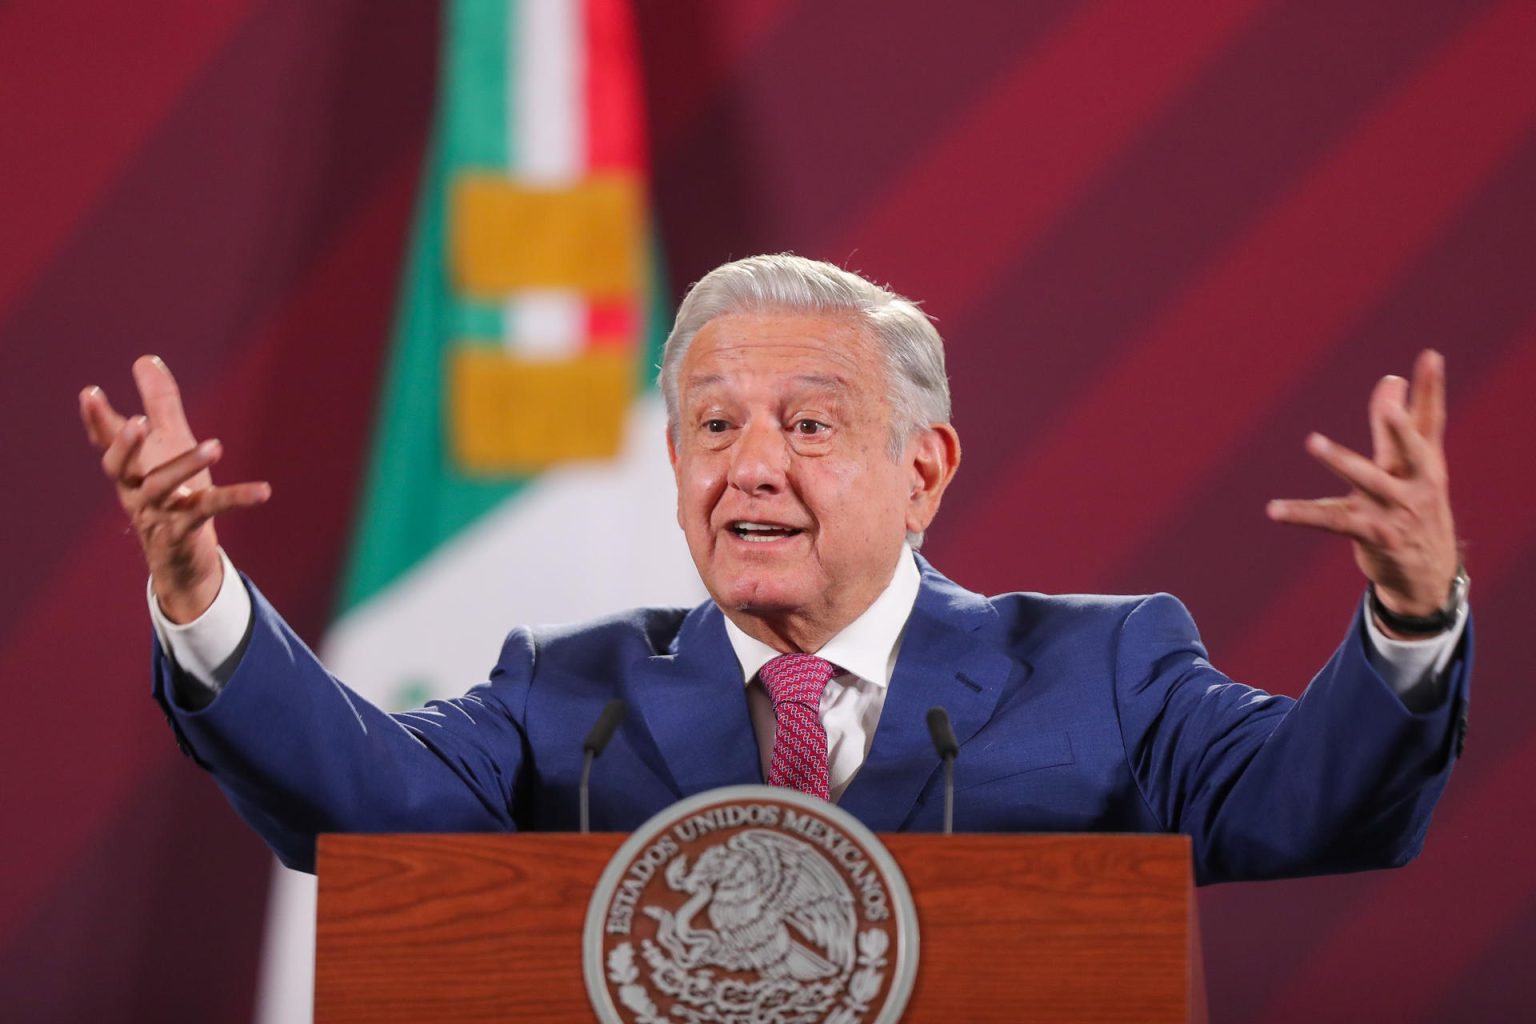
(1424, 625)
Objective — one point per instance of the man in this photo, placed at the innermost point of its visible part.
(810, 438)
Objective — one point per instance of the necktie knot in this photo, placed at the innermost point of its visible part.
(795, 683)
(797, 678)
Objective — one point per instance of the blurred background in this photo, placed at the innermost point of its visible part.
(1163, 242)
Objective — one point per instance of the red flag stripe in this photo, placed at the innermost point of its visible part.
(615, 118)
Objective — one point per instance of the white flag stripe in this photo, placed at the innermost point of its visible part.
(549, 68)
(547, 93)
(285, 991)
(545, 324)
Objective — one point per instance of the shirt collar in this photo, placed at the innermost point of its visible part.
(866, 647)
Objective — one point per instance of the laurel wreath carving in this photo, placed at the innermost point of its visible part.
(623, 973)
(704, 998)
(866, 981)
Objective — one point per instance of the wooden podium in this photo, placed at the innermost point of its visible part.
(448, 928)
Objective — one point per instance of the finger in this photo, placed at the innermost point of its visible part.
(162, 481)
(161, 396)
(102, 422)
(214, 501)
(1416, 451)
(1390, 392)
(117, 460)
(1335, 515)
(1428, 405)
(1356, 470)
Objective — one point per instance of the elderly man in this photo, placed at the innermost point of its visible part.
(809, 433)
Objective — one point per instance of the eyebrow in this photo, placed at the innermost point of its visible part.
(825, 382)
(704, 380)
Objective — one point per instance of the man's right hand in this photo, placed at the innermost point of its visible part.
(164, 486)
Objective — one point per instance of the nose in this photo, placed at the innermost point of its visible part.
(760, 459)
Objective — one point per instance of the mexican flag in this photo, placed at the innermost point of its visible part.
(518, 470)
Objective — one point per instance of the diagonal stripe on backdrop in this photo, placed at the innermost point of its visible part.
(1056, 92)
(210, 228)
(1220, 532)
(789, 154)
(108, 714)
(1230, 324)
(1280, 96)
(1482, 463)
(1495, 877)
(1462, 900)
(700, 64)
(62, 63)
(1497, 407)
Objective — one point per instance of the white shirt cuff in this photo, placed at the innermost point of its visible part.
(204, 648)
(1413, 668)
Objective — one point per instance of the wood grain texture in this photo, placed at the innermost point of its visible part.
(1013, 928)
(1080, 928)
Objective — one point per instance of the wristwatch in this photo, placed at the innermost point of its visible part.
(1425, 625)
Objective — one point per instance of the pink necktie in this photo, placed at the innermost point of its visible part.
(795, 683)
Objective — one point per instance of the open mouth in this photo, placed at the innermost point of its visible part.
(762, 532)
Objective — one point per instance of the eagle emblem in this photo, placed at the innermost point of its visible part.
(750, 905)
(774, 907)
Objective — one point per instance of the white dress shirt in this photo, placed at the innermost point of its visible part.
(865, 654)
(864, 651)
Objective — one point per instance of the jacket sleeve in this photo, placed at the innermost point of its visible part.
(298, 753)
(1343, 779)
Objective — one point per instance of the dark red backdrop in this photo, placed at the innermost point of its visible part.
(1163, 241)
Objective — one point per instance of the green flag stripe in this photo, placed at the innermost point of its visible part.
(475, 111)
(478, 323)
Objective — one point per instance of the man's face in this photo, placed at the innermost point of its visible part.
(793, 507)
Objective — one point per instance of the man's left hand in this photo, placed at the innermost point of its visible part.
(1398, 510)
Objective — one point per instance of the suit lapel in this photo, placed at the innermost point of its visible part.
(694, 707)
(942, 664)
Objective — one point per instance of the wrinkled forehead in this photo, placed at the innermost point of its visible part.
(827, 351)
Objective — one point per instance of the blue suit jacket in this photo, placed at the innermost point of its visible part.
(1073, 714)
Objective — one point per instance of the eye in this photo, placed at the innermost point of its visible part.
(809, 427)
(716, 426)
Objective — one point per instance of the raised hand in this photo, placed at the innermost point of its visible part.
(164, 485)
(1398, 511)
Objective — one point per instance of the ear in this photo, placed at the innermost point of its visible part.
(677, 474)
(933, 455)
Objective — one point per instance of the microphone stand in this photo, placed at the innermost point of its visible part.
(944, 742)
(602, 731)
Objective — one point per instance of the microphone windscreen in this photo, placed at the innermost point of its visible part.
(942, 732)
(602, 730)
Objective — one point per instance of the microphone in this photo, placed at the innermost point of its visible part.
(943, 735)
(602, 731)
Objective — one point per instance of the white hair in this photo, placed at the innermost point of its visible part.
(784, 283)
